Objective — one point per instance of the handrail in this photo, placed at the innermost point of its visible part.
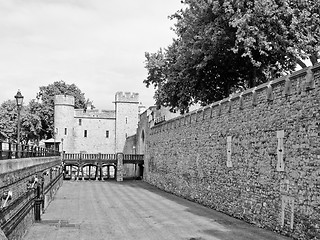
(88, 156)
(99, 156)
(10, 150)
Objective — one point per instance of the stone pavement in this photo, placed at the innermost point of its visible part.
(135, 210)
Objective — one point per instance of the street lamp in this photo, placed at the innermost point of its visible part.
(19, 101)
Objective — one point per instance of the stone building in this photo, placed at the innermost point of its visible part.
(93, 131)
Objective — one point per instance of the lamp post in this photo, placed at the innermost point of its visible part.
(19, 101)
(62, 149)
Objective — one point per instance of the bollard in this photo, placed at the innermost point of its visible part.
(37, 209)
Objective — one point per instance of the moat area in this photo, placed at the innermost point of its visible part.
(134, 210)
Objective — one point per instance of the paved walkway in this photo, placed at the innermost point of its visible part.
(134, 210)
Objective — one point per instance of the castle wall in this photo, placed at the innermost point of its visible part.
(97, 139)
(93, 131)
(254, 156)
(143, 129)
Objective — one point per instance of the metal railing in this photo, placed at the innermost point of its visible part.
(9, 150)
(133, 157)
(160, 120)
(100, 156)
(88, 156)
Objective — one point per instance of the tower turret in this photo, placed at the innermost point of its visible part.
(127, 115)
(64, 121)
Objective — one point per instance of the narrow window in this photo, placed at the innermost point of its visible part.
(107, 134)
(85, 133)
(65, 131)
(126, 135)
(80, 122)
(126, 120)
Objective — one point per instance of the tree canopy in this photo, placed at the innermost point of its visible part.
(8, 116)
(30, 122)
(37, 118)
(228, 45)
(45, 107)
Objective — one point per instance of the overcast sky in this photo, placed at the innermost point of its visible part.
(98, 45)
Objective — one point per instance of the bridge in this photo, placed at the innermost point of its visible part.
(88, 166)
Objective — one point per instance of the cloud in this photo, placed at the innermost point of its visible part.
(99, 45)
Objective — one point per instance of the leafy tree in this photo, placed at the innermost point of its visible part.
(286, 27)
(37, 117)
(30, 123)
(224, 46)
(8, 119)
(45, 107)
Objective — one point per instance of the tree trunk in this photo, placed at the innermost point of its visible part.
(252, 81)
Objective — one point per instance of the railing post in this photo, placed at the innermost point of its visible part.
(99, 167)
(14, 149)
(120, 167)
(10, 151)
(0, 150)
(31, 151)
(27, 151)
(20, 150)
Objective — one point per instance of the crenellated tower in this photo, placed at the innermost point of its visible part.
(127, 116)
(64, 121)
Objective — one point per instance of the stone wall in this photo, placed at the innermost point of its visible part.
(130, 145)
(129, 148)
(143, 129)
(17, 215)
(255, 155)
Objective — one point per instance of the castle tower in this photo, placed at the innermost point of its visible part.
(64, 121)
(127, 115)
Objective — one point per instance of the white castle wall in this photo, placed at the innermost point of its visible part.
(120, 123)
(96, 124)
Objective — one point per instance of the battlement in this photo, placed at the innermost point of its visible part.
(261, 96)
(127, 97)
(64, 100)
(94, 113)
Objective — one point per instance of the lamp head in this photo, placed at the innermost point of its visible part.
(19, 98)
